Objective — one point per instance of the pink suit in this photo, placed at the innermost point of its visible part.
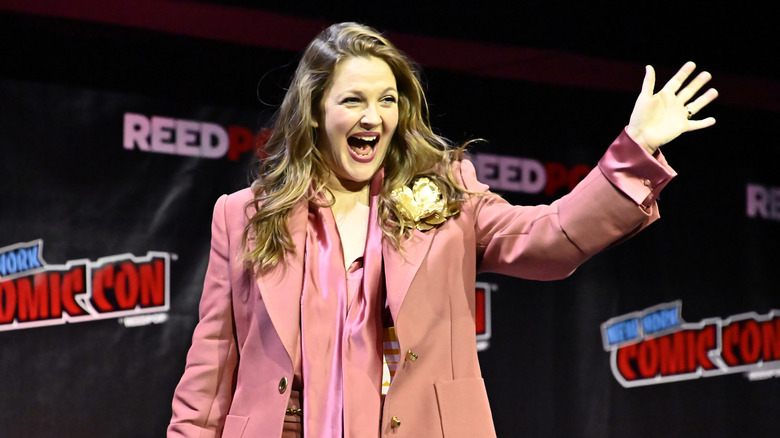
(430, 291)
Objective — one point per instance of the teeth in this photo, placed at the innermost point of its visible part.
(372, 138)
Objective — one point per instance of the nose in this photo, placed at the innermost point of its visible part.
(370, 116)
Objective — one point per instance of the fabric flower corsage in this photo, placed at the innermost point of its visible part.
(421, 206)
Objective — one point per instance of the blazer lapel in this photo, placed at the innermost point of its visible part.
(280, 287)
(400, 269)
(372, 263)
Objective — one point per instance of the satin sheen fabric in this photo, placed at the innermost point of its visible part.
(342, 329)
(430, 293)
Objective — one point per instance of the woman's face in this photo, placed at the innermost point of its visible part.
(359, 116)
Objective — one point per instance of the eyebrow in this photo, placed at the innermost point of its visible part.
(350, 90)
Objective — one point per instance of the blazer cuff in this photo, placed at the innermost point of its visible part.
(635, 172)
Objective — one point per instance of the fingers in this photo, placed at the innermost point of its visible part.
(694, 86)
(702, 100)
(648, 84)
(697, 105)
(679, 78)
(693, 125)
(687, 93)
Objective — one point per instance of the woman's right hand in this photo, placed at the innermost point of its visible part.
(659, 118)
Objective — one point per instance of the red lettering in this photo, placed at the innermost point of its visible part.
(7, 301)
(647, 359)
(31, 304)
(676, 353)
(771, 337)
(55, 302)
(240, 141)
(43, 296)
(479, 317)
(39, 301)
(625, 357)
(750, 342)
(127, 285)
(690, 336)
(102, 280)
(672, 354)
(685, 351)
(126, 290)
(559, 177)
(730, 340)
(556, 178)
(704, 343)
(119, 286)
(744, 343)
(72, 285)
(153, 284)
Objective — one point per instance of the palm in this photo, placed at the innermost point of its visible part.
(659, 118)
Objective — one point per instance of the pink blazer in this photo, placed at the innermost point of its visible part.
(243, 347)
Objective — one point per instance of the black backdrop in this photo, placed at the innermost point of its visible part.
(70, 188)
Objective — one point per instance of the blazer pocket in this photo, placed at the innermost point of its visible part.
(234, 426)
(464, 408)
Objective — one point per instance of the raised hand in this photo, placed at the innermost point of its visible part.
(659, 118)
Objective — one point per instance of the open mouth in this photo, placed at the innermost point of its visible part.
(362, 147)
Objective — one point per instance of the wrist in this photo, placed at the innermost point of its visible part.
(639, 139)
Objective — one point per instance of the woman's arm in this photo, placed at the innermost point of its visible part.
(614, 201)
(204, 394)
(547, 242)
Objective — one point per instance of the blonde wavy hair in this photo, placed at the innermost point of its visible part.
(294, 169)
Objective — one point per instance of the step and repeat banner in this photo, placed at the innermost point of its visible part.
(105, 212)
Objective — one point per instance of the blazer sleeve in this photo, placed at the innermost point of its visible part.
(546, 242)
(204, 394)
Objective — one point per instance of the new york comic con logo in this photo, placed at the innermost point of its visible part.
(34, 293)
(656, 346)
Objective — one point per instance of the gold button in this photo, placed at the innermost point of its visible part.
(283, 385)
(411, 356)
(395, 423)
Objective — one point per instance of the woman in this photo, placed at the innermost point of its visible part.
(364, 223)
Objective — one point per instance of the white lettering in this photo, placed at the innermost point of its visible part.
(213, 141)
(167, 135)
(186, 136)
(524, 175)
(762, 202)
(142, 320)
(136, 131)
(162, 135)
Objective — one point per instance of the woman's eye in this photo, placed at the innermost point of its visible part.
(389, 99)
(348, 100)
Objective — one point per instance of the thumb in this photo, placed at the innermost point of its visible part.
(648, 84)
